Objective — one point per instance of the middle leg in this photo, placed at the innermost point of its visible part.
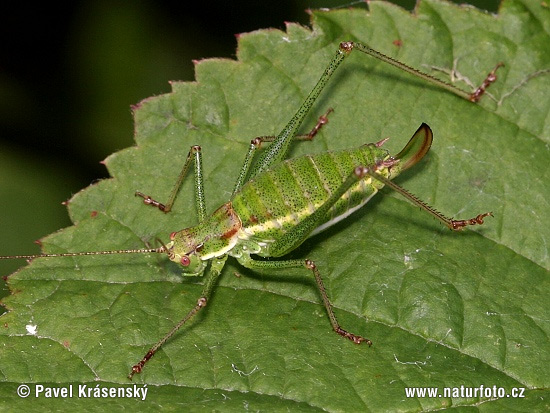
(251, 263)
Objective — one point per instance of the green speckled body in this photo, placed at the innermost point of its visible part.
(277, 200)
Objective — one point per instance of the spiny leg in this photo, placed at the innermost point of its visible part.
(453, 224)
(335, 325)
(213, 275)
(256, 144)
(251, 263)
(193, 155)
(277, 152)
(321, 121)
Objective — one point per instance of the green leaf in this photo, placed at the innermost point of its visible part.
(443, 309)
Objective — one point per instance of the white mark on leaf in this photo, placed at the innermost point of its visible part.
(242, 373)
(418, 363)
(31, 329)
(408, 259)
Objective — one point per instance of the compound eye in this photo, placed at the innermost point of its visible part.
(185, 261)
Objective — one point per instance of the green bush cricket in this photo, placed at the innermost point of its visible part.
(277, 204)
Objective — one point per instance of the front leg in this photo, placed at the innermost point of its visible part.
(216, 267)
(195, 156)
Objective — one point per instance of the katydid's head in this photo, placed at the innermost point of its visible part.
(417, 147)
(184, 250)
(193, 247)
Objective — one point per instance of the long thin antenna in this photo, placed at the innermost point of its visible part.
(76, 254)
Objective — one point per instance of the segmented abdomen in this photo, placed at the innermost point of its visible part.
(277, 200)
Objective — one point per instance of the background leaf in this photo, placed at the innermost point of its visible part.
(442, 309)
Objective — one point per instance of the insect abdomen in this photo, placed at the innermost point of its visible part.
(277, 200)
